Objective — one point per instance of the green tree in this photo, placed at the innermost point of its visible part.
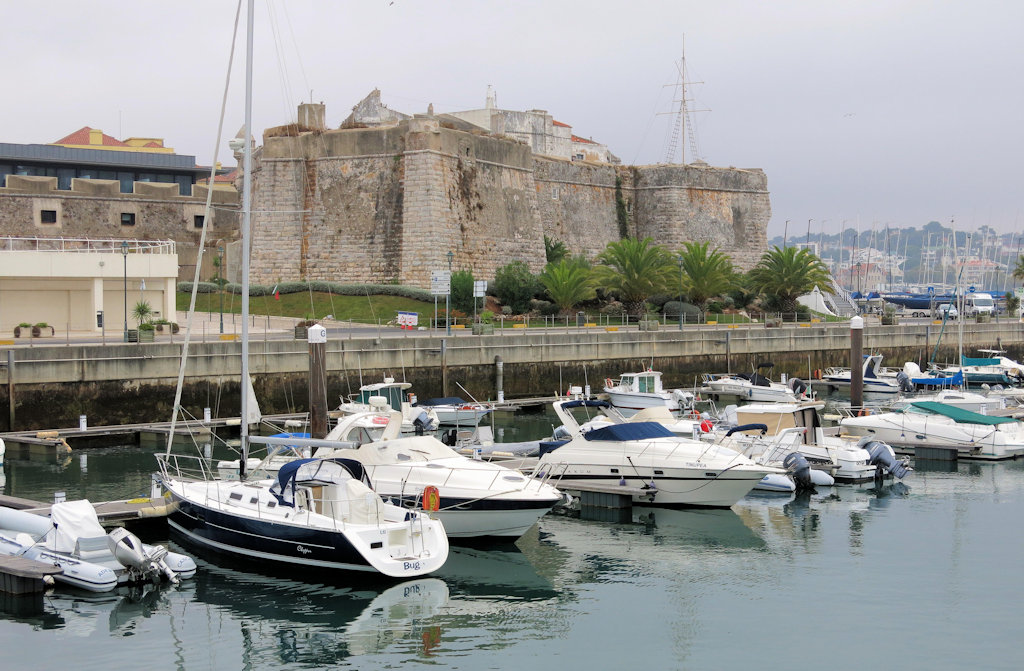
(462, 291)
(635, 270)
(706, 274)
(568, 282)
(515, 286)
(554, 250)
(142, 312)
(788, 273)
(1018, 272)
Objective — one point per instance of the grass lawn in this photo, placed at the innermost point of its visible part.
(316, 306)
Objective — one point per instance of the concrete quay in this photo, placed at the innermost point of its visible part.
(129, 383)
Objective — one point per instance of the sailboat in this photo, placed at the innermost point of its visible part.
(317, 514)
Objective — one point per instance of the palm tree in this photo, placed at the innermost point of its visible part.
(705, 274)
(554, 250)
(568, 282)
(142, 312)
(635, 270)
(785, 274)
(1018, 272)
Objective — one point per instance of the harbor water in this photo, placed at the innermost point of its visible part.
(920, 574)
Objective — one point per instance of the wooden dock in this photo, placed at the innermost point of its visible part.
(110, 513)
(20, 575)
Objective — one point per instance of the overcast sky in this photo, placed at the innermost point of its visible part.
(868, 112)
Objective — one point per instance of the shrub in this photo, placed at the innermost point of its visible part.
(673, 309)
(462, 290)
(486, 317)
(337, 289)
(42, 325)
(201, 287)
(515, 286)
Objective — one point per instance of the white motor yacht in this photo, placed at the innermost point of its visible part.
(666, 469)
(753, 387)
(415, 418)
(931, 424)
(635, 391)
(797, 427)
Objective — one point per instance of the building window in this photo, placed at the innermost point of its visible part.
(198, 221)
(48, 216)
(127, 218)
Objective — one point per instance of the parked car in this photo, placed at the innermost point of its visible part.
(946, 311)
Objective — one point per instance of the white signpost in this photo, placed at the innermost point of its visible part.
(479, 291)
(441, 285)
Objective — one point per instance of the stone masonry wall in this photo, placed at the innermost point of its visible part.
(93, 208)
(728, 207)
(387, 204)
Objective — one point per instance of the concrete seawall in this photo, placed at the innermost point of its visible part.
(48, 387)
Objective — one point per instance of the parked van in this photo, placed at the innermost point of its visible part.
(978, 304)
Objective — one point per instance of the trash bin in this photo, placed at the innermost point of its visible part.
(99, 319)
(581, 318)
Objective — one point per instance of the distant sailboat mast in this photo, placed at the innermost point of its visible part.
(683, 130)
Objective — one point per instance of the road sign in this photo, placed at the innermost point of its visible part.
(931, 291)
(440, 282)
(479, 288)
(970, 290)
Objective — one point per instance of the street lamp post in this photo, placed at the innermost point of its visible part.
(447, 306)
(124, 253)
(680, 259)
(220, 283)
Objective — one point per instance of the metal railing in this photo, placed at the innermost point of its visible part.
(10, 243)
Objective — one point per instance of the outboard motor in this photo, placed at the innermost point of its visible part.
(883, 457)
(128, 550)
(798, 386)
(422, 423)
(904, 382)
(449, 437)
(798, 467)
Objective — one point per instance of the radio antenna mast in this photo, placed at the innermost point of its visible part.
(683, 128)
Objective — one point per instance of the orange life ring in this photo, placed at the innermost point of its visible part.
(431, 498)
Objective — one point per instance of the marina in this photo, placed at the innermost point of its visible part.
(706, 574)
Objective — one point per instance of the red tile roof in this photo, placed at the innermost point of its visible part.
(577, 138)
(559, 123)
(81, 137)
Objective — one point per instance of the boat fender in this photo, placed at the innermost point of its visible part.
(798, 467)
(706, 426)
(608, 382)
(431, 499)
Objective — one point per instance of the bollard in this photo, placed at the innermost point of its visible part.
(83, 423)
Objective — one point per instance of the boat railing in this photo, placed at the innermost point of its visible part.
(508, 475)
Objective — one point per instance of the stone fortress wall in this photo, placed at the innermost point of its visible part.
(387, 203)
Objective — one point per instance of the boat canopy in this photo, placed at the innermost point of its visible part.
(959, 415)
(324, 471)
(631, 431)
(984, 361)
(955, 380)
(586, 404)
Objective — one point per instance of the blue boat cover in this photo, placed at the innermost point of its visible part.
(634, 431)
(955, 380)
(323, 470)
(586, 404)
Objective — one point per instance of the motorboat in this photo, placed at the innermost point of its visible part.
(958, 398)
(91, 559)
(994, 369)
(636, 391)
(796, 427)
(931, 424)
(660, 467)
(454, 411)
(876, 379)
(477, 497)
(317, 514)
(754, 387)
(415, 418)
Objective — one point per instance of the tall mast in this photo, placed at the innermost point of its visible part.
(683, 128)
(246, 220)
